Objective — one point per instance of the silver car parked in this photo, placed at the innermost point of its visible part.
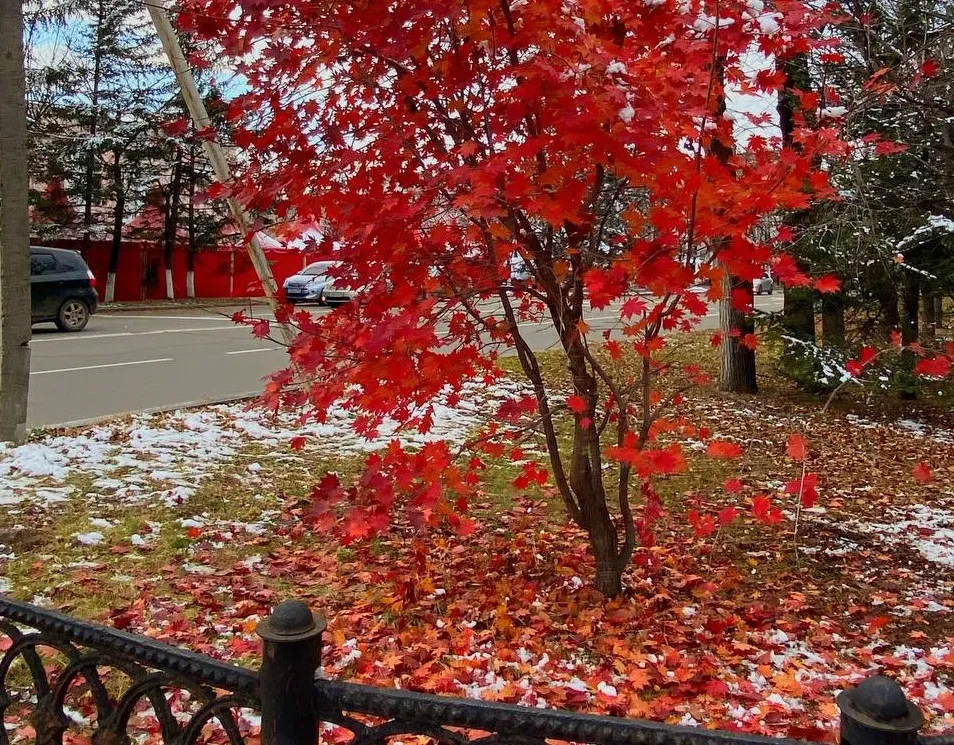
(314, 285)
(763, 285)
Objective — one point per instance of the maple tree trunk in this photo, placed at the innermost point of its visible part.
(939, 310)
(833, 319)
(609, 575)
(911, 294)
(586, 477)
(738, 360)
(581, 486)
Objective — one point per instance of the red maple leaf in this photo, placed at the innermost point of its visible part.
(797, 447)
(805, 488)
(934, 367)
(724, 449)
(260, 328)
(728, 515)
(764, 512)
(922, 473)
(828, 284)
(732, 486)
(930, 68)
(576, 404)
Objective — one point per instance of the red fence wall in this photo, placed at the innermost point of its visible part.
(141, 274)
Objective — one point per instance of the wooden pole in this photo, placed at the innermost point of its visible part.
(216, 155)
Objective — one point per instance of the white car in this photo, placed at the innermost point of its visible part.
(763, 285)
(313, 285)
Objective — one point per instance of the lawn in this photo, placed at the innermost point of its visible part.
(187, 527)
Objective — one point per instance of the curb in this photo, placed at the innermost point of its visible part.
(146, 306)
(198, 404)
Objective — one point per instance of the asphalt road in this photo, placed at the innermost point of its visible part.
(130, 361)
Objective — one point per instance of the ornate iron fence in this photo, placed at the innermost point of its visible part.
(119, 678)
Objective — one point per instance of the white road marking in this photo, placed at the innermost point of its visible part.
(100, 367)
(83, 337)
(210, 317)
(252, 351)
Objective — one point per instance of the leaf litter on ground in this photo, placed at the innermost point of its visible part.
(195, 514)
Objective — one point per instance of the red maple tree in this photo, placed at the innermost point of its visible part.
(445, 142)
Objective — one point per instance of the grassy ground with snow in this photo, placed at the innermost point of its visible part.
(185, 527)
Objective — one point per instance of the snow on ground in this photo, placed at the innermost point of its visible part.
(920, 430)
(927, 529)
(163, 458)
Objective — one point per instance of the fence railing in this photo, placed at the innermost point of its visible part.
(63, 680)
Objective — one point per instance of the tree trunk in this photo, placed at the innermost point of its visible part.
(193, 238)
(833, 319)
(609, 575)
(939, 310)
(172, 221)
(798, 313)
(911, 294)
(93, 129)
(15, 326)
(119, 215)
(738, 359)
(586, 477)
(889, 320)
(929, 319)
(798, 306)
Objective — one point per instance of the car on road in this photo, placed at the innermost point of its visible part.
(62, 288)
(314, 285)
(764, 285)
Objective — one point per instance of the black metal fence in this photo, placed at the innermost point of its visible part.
(53, 661)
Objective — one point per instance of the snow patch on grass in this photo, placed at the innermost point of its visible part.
(164, 458)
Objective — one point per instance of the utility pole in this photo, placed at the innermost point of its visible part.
(215, 154)
(15, 324)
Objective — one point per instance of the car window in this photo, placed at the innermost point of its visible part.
(70, 262)
(42, 264)
(318, 268)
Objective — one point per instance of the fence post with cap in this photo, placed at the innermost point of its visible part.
(876, 712)
(290, 656)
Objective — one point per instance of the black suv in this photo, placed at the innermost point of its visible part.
(62, 288)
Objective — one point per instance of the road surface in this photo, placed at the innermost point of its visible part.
(131, 361)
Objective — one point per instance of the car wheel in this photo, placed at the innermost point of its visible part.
(72, 316)
(771, 291)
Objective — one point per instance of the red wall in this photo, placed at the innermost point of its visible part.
(141, 274)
